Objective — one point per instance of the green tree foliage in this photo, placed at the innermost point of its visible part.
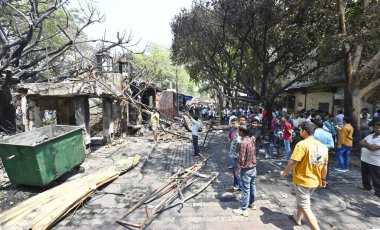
(359, 23)
(256, 47)
(155, 64)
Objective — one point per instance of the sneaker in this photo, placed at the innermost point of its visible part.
(364, 188)
(252, 206)
(232, 189)
(339, 170)
(240, 212)
(374, 197)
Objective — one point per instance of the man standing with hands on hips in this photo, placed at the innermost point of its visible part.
(309, 165)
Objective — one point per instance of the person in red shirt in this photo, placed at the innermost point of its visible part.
(287, 136)
(265, 113)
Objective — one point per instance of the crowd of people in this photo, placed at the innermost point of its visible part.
(307, 138)
(205, 112)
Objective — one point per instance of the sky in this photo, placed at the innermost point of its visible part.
(148, 20)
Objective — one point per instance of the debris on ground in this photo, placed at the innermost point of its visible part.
(169, 194)
(45, 209)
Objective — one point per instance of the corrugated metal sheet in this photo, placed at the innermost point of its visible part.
(166, 102)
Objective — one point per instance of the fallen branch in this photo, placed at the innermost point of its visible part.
(177, 134)
(169, 190)
(192, 195)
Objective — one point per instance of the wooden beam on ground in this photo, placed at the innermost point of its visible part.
(45, 209)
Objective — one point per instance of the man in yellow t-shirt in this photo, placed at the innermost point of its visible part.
(309, 164)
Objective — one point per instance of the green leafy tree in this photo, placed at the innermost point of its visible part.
(255, 47)
(359, 23)
(155, 65)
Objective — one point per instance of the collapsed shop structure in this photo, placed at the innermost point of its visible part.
(109, 100)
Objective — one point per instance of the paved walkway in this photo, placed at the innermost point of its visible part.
(341, 206)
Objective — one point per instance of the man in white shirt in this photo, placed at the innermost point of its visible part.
(194, 130)
(370, 160)
(233, 115)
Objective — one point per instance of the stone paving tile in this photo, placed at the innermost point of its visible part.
(341, 206)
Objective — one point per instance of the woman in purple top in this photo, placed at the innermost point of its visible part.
(275, 126)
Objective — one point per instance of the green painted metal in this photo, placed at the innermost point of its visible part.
(40, 156)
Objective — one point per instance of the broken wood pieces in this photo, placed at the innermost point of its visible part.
(177, 134)
(165, 194)
(45, 209)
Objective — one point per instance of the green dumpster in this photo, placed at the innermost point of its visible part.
(40, 156)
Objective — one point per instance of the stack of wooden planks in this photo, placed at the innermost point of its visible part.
(45, 209)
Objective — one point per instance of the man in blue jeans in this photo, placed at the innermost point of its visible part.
(234, 154)
(247, 169)
(344, 145)
(287, 136)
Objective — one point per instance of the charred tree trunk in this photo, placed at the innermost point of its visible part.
(269, 108)
(7, 110)
(348, 86)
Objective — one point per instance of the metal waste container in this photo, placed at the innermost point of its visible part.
(42, 155)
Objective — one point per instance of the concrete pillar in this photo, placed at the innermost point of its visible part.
(34, 115)
(116, 118)
(107, 119)
(82, 116)
(151, 104)
(24, 110)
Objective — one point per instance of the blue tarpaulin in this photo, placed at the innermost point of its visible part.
(182, 98)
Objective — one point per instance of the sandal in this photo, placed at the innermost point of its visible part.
(292, 217)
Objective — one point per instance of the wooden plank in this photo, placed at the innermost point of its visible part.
(45, 209)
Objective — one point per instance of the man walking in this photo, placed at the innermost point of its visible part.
(370, 160)
(344, 145)
(309, 165)
(247, 168)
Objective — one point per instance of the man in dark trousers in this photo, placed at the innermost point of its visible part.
(194, 131)
(370, 160)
